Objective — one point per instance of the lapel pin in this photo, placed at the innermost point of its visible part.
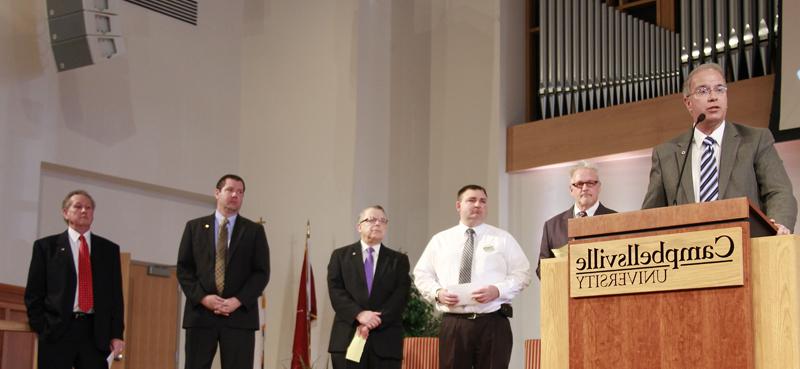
(206, 226)
(683, 152)
(354, 253)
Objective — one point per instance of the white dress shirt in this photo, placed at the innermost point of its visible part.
(589, 212)
(697, 152)
(497, 260)
(376, 250)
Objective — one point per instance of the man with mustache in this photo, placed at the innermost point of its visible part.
(727, 160)
(584, 187)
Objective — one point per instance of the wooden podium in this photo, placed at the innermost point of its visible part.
(750, 323)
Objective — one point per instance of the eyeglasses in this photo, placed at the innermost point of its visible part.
(590, 184)
(704, 91)
(374, 221)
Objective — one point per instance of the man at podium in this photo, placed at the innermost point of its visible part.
(727, 160)
(584, 187)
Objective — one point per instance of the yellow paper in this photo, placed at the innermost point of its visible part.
(356, 348)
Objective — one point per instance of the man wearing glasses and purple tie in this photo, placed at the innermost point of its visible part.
(368, 285)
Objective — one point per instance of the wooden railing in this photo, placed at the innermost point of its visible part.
(17, 342)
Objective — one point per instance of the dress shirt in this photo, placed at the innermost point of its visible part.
(231, 221)
(497, 260)
(589, 212)
(376, 249)
(75, 245)
(697, 152)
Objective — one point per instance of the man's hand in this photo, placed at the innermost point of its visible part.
(486, 294)
(370, 319)
(212, 302)
(228, 306)
(446, 298)
(362, 331)
(117, 346)
(782, 230)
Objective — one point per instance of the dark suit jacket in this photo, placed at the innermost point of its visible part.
(347, 288)
(749, 166)
(246, 272)
(52, 280)
(554, 234)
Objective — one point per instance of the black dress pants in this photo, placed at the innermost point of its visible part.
(481, 343)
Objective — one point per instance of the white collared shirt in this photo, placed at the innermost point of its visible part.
(497, 260)
(697, 153)
(376, 250)
(589, 212)
(75, 246)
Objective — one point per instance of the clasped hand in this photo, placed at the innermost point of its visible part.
(219, 305)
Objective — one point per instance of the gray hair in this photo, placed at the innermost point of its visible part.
(583, 164)
(712, 66)
(361, 214)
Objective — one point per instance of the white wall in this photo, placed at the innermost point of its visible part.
(360, 102)
(166, 113)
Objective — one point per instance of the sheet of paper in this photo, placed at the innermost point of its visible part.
(464, 292)
(562, 251)
(356, 348)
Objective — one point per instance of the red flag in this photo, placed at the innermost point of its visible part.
(306, 313)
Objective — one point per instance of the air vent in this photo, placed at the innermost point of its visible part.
(182, 10)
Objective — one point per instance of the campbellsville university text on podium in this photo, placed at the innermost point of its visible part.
(701, 259)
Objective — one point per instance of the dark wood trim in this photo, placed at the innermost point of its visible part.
(12, 295)
(625, 128)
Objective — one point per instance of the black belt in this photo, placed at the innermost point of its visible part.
(81, 315)
(472, 316)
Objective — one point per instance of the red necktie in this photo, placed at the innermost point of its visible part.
(85, 295)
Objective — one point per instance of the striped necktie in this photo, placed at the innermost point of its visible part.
(709, 175)
(465, 273)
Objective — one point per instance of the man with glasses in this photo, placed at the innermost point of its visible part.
(473, 270)
(585, 189)
(727, 160)
(368, 285)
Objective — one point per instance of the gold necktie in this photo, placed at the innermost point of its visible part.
(222, 251)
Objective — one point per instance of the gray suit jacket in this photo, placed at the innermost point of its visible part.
(554, 234)
(749, 166)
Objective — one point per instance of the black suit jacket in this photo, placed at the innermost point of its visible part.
(554, 234)
(246, 272)
(52, 280)
(347, 287)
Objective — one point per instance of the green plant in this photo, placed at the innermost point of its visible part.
(420, 319)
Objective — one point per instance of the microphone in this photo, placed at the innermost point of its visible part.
(700, 119)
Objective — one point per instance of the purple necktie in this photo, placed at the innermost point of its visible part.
(368, 268)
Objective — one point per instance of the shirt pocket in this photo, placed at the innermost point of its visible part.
(489, 257)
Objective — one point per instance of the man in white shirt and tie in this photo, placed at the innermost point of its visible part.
(475, 333)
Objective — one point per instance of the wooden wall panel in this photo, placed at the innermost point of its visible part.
(625, 128)
(17, 349)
